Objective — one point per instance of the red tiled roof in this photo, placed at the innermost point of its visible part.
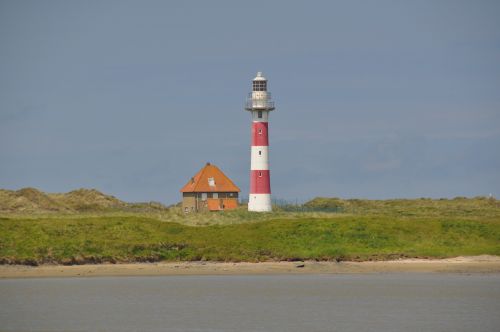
(202, 181)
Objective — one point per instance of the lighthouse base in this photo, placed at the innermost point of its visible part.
(260, 203)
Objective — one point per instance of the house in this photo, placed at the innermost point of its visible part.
(209, 190)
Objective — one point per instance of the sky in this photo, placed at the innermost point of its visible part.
(374, 99)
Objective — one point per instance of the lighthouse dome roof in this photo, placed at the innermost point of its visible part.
(259, 77)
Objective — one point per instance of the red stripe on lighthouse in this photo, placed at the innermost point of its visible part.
(260, 182)
(259, 134)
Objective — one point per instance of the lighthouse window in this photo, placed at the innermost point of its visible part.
(259, 86)
(260, 174)
(260, 153)
(260, 131)
(260, 114)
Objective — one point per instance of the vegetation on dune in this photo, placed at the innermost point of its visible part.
(30, 201)
(126, 239)
(113, 231)
(425, 207)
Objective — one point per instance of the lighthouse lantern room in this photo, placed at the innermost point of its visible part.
(259, 103)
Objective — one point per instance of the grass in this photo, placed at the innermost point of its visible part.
(368, 230)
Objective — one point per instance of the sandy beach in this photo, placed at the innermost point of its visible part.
(468, 264)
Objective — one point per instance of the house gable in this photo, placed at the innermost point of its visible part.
(210, 179)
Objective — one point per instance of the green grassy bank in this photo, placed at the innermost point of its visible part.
(400, 229)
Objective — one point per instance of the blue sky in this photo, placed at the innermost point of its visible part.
(375, 99)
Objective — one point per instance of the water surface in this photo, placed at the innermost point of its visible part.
(363, 302)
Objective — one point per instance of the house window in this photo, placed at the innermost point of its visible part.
(259, 114)
(203, 196)
(211, 182)
(186, 209)
(215, 195)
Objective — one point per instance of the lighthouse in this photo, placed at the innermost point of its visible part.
(259, 104)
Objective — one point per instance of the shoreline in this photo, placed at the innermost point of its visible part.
(462, 264)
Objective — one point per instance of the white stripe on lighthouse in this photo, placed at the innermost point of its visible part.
(264, 116)
(259, 158)
(260, 203)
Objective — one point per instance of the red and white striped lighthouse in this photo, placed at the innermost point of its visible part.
(259, 104)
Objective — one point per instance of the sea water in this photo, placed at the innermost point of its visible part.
(354, 302)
